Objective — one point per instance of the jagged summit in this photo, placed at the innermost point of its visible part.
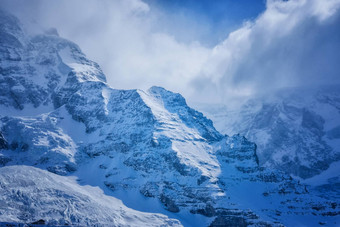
(11, 30)
(35, 68)
(144, 147)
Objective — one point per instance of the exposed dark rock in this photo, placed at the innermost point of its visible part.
(208, 211)
(110, 185)
(39, 222)
(169, 204)
(202, 179)
(150, 189)
(61, 169)
(3, 142)
(230, 221)
(4, 160)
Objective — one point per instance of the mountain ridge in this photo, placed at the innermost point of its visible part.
(133, 141)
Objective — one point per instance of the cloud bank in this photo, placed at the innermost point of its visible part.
(292, 43)
(124, 37)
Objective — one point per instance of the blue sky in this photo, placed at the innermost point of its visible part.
(209, 21)
(216, 11)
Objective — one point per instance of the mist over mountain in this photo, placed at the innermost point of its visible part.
(279, 44)
(76, 150)
(296, 130)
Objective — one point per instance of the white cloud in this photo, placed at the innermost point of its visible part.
(292, 43)
(124, 37)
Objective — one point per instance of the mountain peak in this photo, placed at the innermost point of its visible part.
(148, 148)
(34, 69)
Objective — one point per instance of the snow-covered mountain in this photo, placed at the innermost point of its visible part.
(296, 130)
(147, 148)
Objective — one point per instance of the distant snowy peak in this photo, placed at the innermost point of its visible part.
(296, 130)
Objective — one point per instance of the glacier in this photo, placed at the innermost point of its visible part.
(29, 193)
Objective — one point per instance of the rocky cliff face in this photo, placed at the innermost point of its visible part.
(67, 120)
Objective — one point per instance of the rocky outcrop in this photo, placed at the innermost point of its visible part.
(3, 142)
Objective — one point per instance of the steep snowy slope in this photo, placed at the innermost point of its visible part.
(129, 142)
(297, 130)
(28, 194)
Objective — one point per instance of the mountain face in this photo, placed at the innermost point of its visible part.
(147, 148)
(296, 131)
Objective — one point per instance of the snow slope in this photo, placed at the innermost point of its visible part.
(28, 194)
